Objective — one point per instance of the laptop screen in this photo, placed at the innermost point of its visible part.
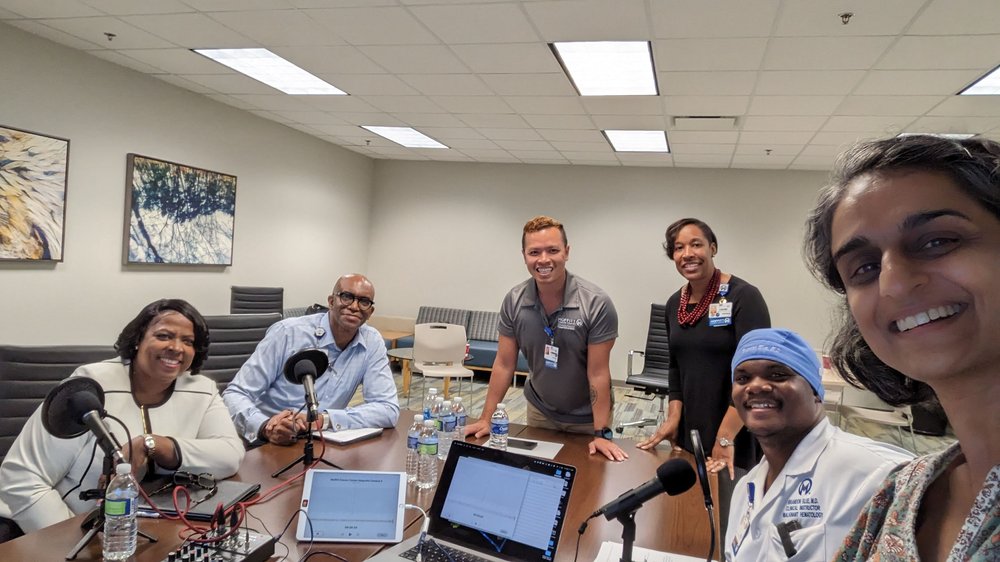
(504, 504)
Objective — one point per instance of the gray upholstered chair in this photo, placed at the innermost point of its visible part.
(652, 380)
(256, 300)
(234, 337)
(28, 373)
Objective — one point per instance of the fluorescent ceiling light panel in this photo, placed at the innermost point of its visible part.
(264, 66)
(953, 136)
(988, 85)
(406, 136)
(609, 68)
(638, 141)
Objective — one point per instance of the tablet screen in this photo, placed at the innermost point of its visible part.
(352, 506)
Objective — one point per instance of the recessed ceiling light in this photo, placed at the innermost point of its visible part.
(609, 68)
(638, 141)
(269, 68)
(988, 85)
(953, 136)
(406, 136)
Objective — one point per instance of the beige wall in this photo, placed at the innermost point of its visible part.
(301, 202)
(448, 234)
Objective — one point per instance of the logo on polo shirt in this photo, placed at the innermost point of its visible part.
(570, 323)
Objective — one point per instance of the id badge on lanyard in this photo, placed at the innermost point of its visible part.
(721, 313)
(744, 527)
(551, 350)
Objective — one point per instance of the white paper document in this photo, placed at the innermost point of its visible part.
(612, 552)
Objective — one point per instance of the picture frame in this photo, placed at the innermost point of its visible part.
(177, 214)
(34, 175)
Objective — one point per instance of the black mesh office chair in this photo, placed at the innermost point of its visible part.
(652, 380)
(234, 339)
(256, 300)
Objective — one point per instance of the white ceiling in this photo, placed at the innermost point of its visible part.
(478, 75)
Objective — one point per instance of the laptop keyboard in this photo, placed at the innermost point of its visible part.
(436, 553)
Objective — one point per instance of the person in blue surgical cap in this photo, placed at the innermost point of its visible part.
(814, 479)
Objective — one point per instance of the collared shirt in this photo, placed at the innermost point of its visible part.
(260, 389)
(587, 316)
(823, 487)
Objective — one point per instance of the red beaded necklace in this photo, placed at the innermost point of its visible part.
(690, 319)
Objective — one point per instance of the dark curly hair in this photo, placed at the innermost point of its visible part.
(127, 344)
(974, 166)
(674, 229)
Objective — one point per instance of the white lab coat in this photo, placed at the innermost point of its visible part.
(825, 483)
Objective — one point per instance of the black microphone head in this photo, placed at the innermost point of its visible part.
(676, 476)
(306, 362)
(64, 406)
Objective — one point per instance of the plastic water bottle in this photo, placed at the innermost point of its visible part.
(412, 455)
(447, 429)
(427, 447)
(460, 418)
(429, 402)
(436, 411)
(120, 525)
(499, 426)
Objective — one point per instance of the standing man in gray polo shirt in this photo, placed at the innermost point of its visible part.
(566, 327)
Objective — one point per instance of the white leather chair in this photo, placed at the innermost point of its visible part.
(439, 351)
(856, 403)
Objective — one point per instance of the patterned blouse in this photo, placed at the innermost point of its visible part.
(886, 528)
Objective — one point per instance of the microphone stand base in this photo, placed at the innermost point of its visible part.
(306, 458)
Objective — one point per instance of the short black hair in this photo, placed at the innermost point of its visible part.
(674, 229)
(972, 164)
(128, 340)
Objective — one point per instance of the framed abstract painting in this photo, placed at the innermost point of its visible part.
(177, 214)
(33, 172)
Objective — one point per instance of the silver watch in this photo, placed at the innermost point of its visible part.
(150, 443)
(725, 442)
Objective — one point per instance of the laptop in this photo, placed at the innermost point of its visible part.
(203, 502)
(495, 506)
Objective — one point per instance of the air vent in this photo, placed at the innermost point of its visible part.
(705, 123)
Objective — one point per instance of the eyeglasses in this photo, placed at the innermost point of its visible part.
(203, 480)
(347, 298)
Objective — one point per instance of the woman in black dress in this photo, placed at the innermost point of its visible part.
(705, 320)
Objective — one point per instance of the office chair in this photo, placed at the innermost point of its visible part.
(856, 403)
(234, 337)
(652, 380)
(439, 351)
(256, 300)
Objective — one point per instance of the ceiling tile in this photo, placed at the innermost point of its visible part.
(472, 104)
(713, 18)
(782, 123)
(888, 105)
(807, 82)
(704, 160)
(230, 83)
(346, 131)
(824, 53)
(496, 121)
(94, 29)
(949, 52)
(276, 28)
(476, 23)
(463, 144)
(703, 137)
(709, 54)
(368, 84)
(50, 8)
(645, 159)
(812, 163)
(775, 137)
(314, 118)
(347, 104)
(374, 26)
(825, 150)
(552, 105)
(590, 20)
(275, 102)
(452, 133)
(555, 84)
(723, 83)
(175, 61)
(523, 144)
(821, 18)
(766, 150)
(403, 104)
(497, 135)
(915, 82)
(640, 122)
(193, 31)
(696, 148)
(369, 118)
(876, 124)
(953, 124)
(574, 135)
(559, 122)
(569, 146)
(705, 105)
(447, 84)
(957, 17)
(414, 59)
(972, 106)
(514, 58)
(128, 62)
(844, 138)
(61, 37)
(793, 105)
(134, 7)
(330, 59)
(429, 119)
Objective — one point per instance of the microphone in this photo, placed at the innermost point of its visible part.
(75, 406)
(673, 477)
(701, 466)
(304, 368)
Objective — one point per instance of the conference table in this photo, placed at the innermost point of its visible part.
(668, 523)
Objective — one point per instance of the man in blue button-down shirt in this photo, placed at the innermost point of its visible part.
(266, 407)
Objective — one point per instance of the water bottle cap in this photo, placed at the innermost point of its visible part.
(430, 423)
(432, 391)
(501, 406)
(123, 468)
(456, 400)
(447, 402)
(439, 399)
(418, 418)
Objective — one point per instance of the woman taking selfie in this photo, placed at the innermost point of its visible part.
(909, 233)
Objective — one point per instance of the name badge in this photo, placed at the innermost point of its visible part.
(720, 314)
(551, 356)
